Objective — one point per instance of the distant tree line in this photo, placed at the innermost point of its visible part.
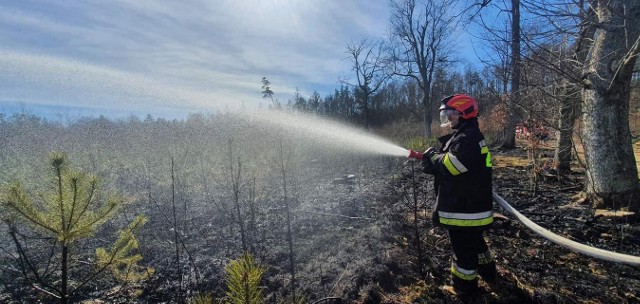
(399, 99)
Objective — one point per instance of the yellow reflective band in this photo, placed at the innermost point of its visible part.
(464, 274)
(466, 223)
(452, 164)
(466, 215)
(485, 150)
(454, 160)
(447, 163)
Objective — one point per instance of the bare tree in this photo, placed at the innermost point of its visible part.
(511, 61)
(284, 164)
(571, 89)
(234, 178)
(557, 46)
(368, 64)
(612, 177)
(176, 233)
(510, 129)
(598, 72)
(421, 36)
(415, 205)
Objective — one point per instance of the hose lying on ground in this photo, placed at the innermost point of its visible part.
(572, 245)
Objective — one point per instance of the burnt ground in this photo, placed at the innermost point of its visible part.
(355, 239)
(531, 268)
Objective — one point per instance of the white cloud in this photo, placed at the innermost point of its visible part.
(222, 48)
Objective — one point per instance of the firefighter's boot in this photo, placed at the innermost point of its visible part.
(488, 272)
(465, 289)
(487, 267)
(464, 281)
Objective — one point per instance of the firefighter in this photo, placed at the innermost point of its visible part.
(464, 205)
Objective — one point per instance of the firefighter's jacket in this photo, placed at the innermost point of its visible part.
(462, 170)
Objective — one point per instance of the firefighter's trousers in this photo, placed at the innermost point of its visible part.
(471, 256)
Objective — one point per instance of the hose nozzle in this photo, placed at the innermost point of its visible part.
(415, 154)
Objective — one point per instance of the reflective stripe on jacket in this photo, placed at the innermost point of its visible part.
(462, 171)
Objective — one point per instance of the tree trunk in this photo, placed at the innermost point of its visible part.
(612, 177)
(287, 205)
(428, 116)
(365, 106)
(292, 264)
(510, 129)
(64, 264)
(235, 176)
(570, 108)
(176, 237)
(568, 114)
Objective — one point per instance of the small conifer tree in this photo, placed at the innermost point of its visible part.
(203, 298)
(120, 259)
(243, 280)
(71, 209)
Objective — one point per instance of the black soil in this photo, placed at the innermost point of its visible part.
(531, 268)
(355, 238)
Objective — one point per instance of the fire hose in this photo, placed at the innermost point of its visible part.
(562, 241)
(572, 245)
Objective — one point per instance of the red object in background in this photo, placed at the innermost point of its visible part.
(532, 131)
(415, 154)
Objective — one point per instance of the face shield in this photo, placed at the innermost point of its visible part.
(447, 116)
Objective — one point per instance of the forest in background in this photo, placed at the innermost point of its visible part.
(190, 175)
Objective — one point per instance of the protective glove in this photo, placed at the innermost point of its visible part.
(427, 166)
(430, 153)
(427, 160)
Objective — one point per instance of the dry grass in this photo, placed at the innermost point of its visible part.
(636, 152)
(504, 160)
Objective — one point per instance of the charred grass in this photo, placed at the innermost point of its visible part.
(355, 239)
(531, 268)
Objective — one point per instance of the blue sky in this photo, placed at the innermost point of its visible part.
(171, 58)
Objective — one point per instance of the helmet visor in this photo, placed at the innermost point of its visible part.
(446, 116)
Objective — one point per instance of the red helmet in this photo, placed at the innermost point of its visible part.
(465, 104)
